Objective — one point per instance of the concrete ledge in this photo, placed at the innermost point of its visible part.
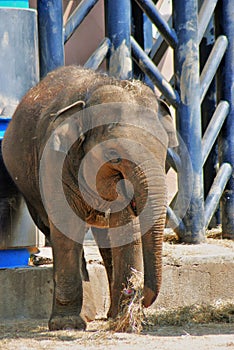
(191, 274)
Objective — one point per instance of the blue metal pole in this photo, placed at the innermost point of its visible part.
(176, 224)
(50, 26)
(225, 22)
(118, 30)
(84, 7)
(216, 191)
(173, 159)
(186, 59)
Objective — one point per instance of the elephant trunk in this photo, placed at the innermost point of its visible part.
(152, 257)
(152, 221)
(149, 203)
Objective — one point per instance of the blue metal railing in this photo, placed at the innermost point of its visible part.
(167, 32)
(190, 87)
(149, 68)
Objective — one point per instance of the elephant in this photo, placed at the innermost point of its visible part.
(89, 150)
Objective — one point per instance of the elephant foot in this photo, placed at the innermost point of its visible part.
(149, 296)
(112, 313)
(66, 322)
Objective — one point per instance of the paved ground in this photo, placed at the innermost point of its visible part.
(32, 335)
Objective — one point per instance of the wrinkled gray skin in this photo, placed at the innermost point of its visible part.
(33, 123)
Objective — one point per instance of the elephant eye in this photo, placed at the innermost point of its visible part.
(113, 157)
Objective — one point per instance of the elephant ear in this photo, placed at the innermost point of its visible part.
(167, 122)
(68, 130)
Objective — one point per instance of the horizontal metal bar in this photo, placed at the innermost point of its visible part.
(204, 17)
(213, 129)
(77, 17)
(96, 59)
(216, 191)
(150, 10)
(149, 68)
(212, 64)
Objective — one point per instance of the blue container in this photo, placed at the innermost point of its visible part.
(3, 125)
(16, 3)
(13, 258)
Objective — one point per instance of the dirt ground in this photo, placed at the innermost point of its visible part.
(35, 335)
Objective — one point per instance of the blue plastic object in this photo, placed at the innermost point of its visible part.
(15, 4)
(13, 258)
(3, 125)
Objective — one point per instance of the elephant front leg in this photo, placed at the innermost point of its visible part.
(125, 258)
(68, 292)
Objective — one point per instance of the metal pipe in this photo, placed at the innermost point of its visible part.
(216, 191)
(225, 15)
(142, 33)
(96, 59)
(77, 17)
(159, 48)
(186, 60)
(118, 30)
(175, 223)
(150, 10)
(173, 160)
(149, 68)
(214, 128)
(212, 64)
(204, 17)
(50, 27)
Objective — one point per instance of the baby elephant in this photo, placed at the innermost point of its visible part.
(87, 150)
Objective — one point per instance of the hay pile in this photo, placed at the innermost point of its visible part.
(219, 312)
(131, 318)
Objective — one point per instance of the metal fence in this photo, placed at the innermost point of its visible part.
(201, 34)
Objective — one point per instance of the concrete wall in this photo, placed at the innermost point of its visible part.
(191, 275)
